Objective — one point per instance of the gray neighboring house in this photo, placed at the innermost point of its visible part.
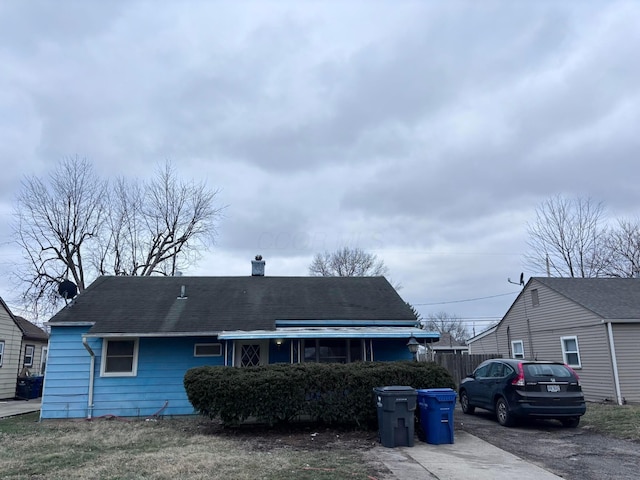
(445, 345)
(591, 324)
(23, 347)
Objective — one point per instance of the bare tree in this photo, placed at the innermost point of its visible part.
(158, 227)
(56, 220)
(623, 250)
(347, 262)
(567, 238)
(444, 323)
(75, 225)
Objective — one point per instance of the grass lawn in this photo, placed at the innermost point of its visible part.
(180, 448)
(620, 421)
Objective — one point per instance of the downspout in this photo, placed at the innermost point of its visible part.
(614, 363)
(91, 377)
(533, 353)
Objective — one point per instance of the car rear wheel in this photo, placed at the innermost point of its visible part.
(571, 422)
(503, 413)
(464, 403)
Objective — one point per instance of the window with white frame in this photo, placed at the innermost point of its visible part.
(207, 350)
(570, 351)
(28, 355)
(43, 360)
(1, 351)
(517, 349)
(119, 357)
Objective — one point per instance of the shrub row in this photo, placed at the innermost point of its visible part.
(328, 393)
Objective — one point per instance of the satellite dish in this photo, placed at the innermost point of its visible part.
(521, 282)
(67, 289)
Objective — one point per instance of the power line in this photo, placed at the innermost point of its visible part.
(465, 300)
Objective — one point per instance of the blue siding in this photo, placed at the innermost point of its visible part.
(157, 387)
(281, 354)
(66, 384)
(390, 350)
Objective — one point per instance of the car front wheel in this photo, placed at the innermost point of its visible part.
(571, 422)
(503, 413)
(464, 403)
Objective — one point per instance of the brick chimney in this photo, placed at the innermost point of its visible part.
(257, 267)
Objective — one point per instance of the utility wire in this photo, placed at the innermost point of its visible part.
(466, 300)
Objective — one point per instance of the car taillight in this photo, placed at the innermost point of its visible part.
(574, 374)
(519, 380)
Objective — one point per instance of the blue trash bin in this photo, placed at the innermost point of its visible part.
(436, 406)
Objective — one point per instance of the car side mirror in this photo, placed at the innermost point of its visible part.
(471, 375)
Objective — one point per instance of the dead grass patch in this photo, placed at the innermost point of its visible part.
(185, 448)
(621, 421)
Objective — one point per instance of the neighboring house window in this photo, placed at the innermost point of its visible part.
(535, 300)
(119, 357)
(28, 355)
(1, 351)
(43, 360)
(517, 349)
(207, 350)
(571, 352)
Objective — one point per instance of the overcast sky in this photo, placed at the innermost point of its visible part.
(424, 132)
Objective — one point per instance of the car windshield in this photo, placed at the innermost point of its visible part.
(547, 370)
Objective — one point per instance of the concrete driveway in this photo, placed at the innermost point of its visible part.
(9, 408)
(572, 453)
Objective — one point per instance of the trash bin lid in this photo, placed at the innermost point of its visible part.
(443, 394)
(395, 389)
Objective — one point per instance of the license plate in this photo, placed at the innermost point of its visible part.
(553, 388)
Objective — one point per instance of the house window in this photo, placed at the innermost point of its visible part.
(517, 349)
(535, 300)
(571, 352)
(1, 351)
(28, 355)
(207, 350)
(332, 350)
(43, 360)
(119, 357)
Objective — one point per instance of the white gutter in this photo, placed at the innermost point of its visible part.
(329, 332)
(91, 378)
(614, 362)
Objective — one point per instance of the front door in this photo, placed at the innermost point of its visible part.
(251, 353)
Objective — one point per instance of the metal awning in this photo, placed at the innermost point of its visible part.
(329, 332)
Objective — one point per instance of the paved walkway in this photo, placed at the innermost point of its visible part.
(468, 457)
(9, 408)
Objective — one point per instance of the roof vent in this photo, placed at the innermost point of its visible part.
(257, 267)
(183, 292)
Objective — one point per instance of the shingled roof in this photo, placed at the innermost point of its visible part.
(30, 331)
(152, 305)
(610, 298)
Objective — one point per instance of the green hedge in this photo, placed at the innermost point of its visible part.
(329, 393)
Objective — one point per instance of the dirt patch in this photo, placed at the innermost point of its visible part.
(294, 436)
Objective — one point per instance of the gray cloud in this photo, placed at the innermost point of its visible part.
(424, 132)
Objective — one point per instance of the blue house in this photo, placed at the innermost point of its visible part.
(123, 346)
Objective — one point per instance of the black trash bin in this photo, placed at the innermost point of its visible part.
(396, 408)
(436, 406)
(29, 387)
(36, 386)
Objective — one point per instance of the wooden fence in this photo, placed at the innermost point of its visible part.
(460, 365)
